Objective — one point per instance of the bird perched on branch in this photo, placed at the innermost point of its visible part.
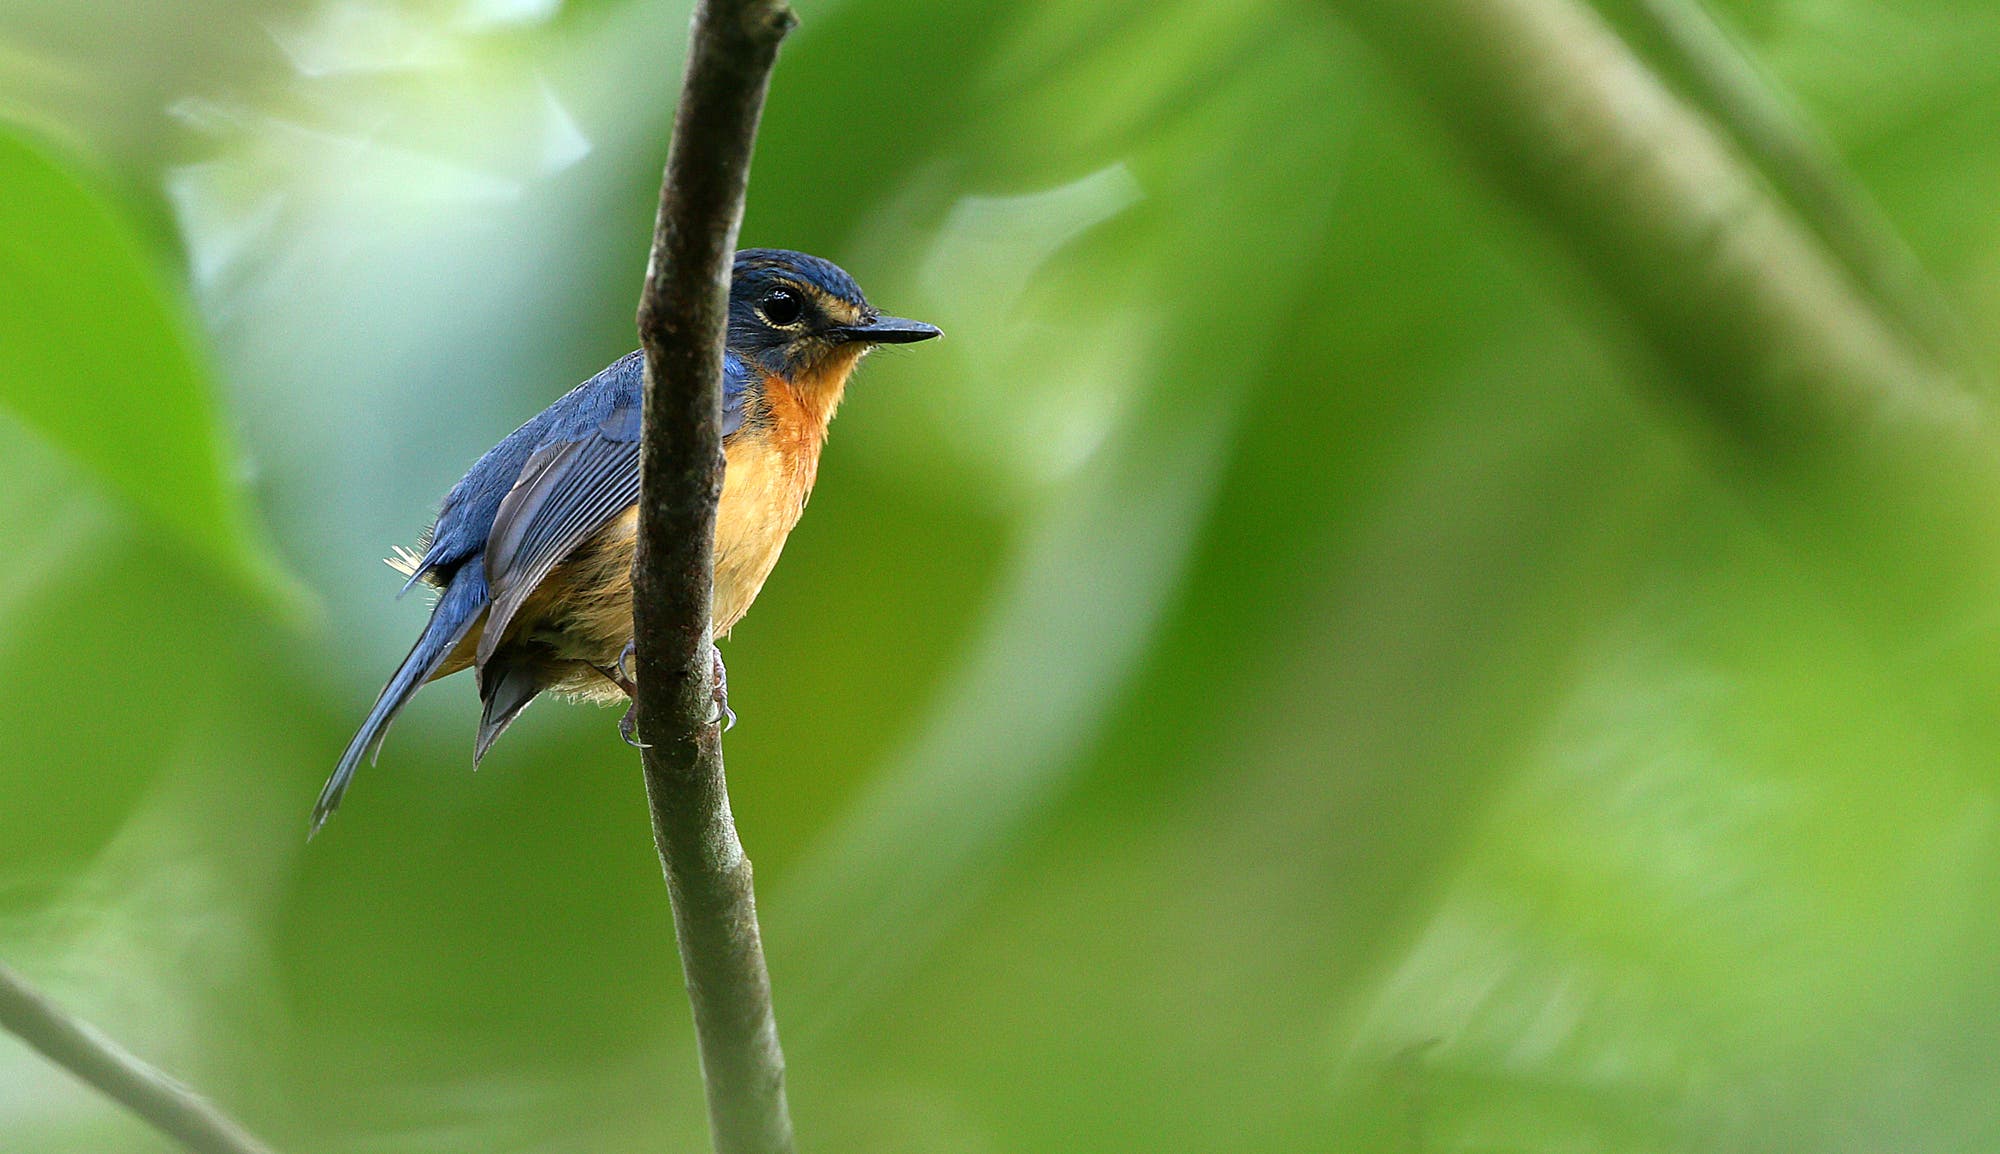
(532, 550)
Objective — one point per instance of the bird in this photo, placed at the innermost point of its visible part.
(531, 551)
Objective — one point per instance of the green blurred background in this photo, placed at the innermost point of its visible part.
(1286, 674)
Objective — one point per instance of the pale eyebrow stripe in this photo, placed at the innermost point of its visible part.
(841, 311)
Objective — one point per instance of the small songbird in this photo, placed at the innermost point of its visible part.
(532, 550)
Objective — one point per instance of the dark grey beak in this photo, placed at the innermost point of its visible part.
(888, 331)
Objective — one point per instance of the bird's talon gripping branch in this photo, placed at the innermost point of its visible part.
(723, 713)
(628, 726)
(617, 674)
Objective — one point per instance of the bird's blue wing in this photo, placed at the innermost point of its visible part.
(465, 522)
(582, 477)
(466, 517)
(569, 491)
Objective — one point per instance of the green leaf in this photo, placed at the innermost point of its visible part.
(96, 354)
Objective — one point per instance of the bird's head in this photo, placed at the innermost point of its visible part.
(804, 319)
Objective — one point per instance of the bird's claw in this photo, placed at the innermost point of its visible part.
(625, 655)
(723, 713)
(628, 727)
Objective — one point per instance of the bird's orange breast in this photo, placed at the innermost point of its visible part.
(764, 491)
(771, 468)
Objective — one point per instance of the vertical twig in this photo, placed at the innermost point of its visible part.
(682, 324)
(171, 1108)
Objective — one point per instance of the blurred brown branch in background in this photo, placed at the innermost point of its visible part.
(683, 316)
(1725, 81)
(1858, 443)
(170, 1107)
(1714, 272)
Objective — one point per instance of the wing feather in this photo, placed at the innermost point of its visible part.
(583, 477)
(568, 492)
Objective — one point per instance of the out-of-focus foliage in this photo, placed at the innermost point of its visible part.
(1280, 676)
(129, 399)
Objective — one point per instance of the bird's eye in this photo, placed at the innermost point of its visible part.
(782, 308)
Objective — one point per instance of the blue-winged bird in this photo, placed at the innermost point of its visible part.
(532, 550)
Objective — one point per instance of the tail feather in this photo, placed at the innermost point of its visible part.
(508, 683)
(456, 610)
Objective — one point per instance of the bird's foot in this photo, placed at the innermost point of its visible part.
(620, 674)
(723, 713)
(628, 726)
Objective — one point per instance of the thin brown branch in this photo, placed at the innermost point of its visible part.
(171, 1108)
(683, 316)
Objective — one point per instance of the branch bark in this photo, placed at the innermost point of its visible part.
(683, 315)
(171, 1108)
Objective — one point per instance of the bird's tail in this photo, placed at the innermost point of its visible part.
(461, 604)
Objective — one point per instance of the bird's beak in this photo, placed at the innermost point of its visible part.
(888, 331)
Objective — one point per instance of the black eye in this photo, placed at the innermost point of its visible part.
(782, 308)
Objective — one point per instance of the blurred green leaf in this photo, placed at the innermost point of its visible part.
(95, 354)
